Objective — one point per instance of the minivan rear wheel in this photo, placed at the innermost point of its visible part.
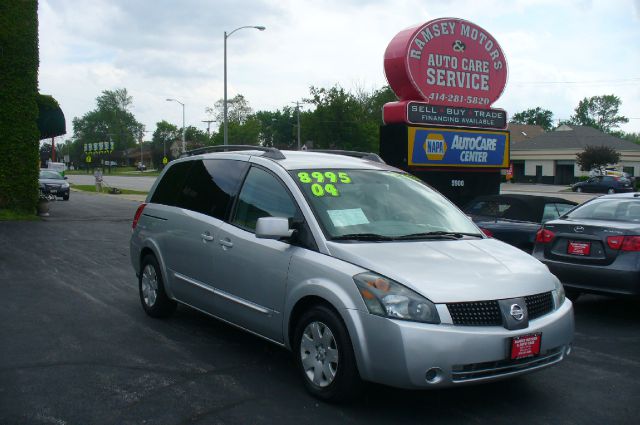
(154, 299)
(324, 355)
(611, 191)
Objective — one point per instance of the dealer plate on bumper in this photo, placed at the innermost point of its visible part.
(525, 346)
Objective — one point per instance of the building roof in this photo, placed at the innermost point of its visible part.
(522, 132)
(574, 137)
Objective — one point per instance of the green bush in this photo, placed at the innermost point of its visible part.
(19, 136)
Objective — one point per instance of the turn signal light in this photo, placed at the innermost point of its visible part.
(136, 217)
(624, 243)
(544, 236)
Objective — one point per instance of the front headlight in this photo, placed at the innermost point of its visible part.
(558, 293)
(65, 185)
(387, 298)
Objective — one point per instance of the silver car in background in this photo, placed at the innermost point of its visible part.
(361, 270)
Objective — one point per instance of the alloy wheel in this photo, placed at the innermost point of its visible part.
(319, 354)
(149, 285)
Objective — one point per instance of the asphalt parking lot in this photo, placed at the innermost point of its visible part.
(77, 348)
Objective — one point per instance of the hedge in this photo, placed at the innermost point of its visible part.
(19, 136)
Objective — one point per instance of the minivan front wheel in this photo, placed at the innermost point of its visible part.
(611, 191)
(324, 355)
(154, 299)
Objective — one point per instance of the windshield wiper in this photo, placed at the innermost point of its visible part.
(374, 237)
(437, 235)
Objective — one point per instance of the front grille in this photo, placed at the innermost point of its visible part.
(539, 304)
(487, 313)
(488, 370)
(477, 313)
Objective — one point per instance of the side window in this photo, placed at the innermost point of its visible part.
(211, 186)
(168, 190)
(262, 195)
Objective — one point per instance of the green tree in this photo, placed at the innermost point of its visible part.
(535, 116)
(18, 106)
(45, 154)
(238, 110)
(278, 128)
(112, 121)
(601, 112)
(164, 134)
(339, 121)
(597, 157)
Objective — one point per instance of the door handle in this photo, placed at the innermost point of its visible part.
(207, 237)
(226, 243)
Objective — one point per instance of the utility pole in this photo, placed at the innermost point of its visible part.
(208, 124)
(298, 111)
(298, 104)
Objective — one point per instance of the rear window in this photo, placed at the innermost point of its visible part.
(622, 209)
(555, 210)
(204, 186)
(50, 175)
(168, 189)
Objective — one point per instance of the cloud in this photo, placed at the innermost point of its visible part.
(159, 49)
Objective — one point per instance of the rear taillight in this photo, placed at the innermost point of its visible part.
(544, 236)
(136, 217)
(487, 232)
(615, 242)
(624, 243)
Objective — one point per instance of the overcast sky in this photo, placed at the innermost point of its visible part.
(558, 52)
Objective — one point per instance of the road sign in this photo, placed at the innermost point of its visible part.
(165, 160)
(88, 158)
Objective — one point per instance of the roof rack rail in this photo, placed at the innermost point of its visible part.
(370, 156)
(272, 153)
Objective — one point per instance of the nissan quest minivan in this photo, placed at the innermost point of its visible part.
(363, 271)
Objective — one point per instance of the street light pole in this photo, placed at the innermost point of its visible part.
(184, 147)
(226, 122)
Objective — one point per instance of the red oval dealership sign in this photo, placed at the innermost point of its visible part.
(446, 61)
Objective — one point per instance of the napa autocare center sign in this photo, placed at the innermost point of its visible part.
(447, 73)
(438, 147)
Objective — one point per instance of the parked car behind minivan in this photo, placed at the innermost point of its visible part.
(360, 269)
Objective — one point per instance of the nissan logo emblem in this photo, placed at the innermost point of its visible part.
(516, 312)
(578, 229)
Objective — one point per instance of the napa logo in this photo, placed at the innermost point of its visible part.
(435, 147)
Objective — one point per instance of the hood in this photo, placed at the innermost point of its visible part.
(452, 271)
(52, 181)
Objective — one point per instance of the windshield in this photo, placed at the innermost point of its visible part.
(50, 175)
(621, 209)
(382, 205)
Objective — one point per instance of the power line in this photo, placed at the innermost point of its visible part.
(619, 81)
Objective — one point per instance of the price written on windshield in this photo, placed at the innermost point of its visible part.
(322, 183)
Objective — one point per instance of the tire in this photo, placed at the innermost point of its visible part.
(572, 294)
(153, 297)
(324, 355)
(611, 191)
(579, 189)
(65, 197)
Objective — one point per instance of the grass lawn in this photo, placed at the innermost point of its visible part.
(8, 215)
(92, 188)
(117, 171)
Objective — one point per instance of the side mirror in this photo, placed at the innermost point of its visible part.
(66, 178)
(273, 228)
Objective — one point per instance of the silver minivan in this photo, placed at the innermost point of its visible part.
(364, 272)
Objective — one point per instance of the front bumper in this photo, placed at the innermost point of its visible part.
(417, 355)
(57, 191)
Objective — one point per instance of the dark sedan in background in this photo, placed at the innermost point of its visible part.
(595, 248)
(604, 184)
(515, 219)
(52, 182)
